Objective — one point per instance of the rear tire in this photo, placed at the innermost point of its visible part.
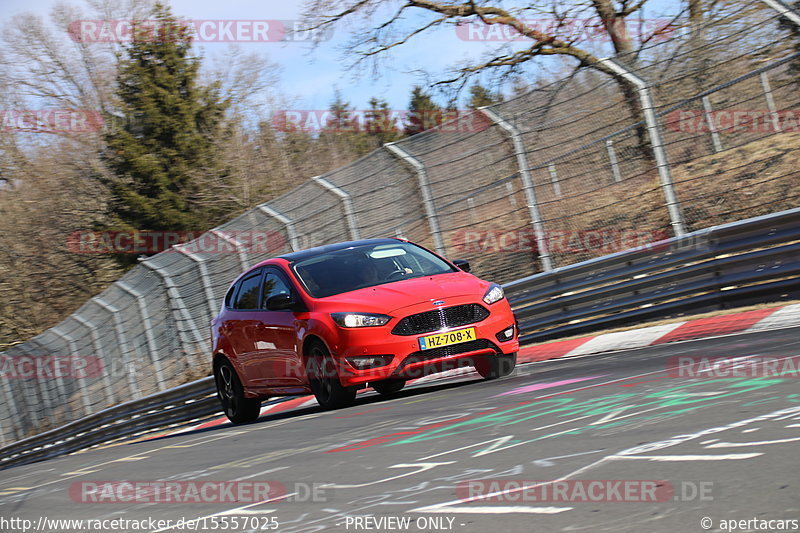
(388, 387)
(496, 366)
(237, 408)
(324, 380)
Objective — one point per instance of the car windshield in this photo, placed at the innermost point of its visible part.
(367, 265)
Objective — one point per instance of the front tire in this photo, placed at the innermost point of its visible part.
(496, 366)
(388, 387)
(238, 408)
(324, 380)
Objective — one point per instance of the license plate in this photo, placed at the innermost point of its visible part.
(446, 339)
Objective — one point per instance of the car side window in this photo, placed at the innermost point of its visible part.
(247, 295)
(229, 296)
(274, 284)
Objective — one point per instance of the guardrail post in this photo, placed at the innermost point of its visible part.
(511, 199)
(427, 195)
(616, 175)
(204, 278)
(347, 203)
(773, 111)
(712, 127)
(98, 348)
(286, 221)
(551, 169)
(243, 260)
(179, 309)
(148, 332)
(87, 407)
(471, 207)
(654, 131)
(527, 186)
(124, 347)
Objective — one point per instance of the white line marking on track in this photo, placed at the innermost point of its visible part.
(674, 458)
(495, 510)
(757, 443)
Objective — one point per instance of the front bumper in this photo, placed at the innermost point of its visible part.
(408, 360)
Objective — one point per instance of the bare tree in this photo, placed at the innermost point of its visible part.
(386, 31)
(380, 31)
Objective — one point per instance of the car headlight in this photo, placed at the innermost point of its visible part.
(359, 320)
(494, 294)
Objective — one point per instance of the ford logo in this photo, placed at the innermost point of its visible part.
(438, 302)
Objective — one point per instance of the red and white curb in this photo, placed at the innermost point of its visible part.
(758, 320)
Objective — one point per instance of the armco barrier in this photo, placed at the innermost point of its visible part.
(714, 268)
(722, 266)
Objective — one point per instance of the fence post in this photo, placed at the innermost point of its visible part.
(243, 260)
(471, 207)
(148, 332)
(527, 186)
(87, 407)
(784, 10)
(101, 353)
(511, 199)
(347, 203)
(616, 175)
(286, 221)
(427, 195)
(788, 13)
(654, 131)
(204, 278)
(124, 347)
(773, 111)
(551, 169)
(712, 127)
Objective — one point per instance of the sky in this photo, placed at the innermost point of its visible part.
(312, 74)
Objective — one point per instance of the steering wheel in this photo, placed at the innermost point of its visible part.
(397, 274)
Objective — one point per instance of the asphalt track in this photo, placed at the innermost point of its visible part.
(715, 447)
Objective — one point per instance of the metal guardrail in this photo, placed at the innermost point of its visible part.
(722, 266)
(179, 404)
(718, 267)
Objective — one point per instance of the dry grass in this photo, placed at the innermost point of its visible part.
(757, 178)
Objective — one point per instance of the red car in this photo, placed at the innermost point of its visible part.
(336, 318)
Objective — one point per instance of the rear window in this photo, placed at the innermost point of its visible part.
(368, 265)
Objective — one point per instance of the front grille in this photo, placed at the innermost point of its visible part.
(446, 317)
(446, 351)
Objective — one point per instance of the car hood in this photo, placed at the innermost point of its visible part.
(395, 296)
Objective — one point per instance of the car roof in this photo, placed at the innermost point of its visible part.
(311, 252)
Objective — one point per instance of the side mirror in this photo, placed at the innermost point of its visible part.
(280, 302)
(463, 264)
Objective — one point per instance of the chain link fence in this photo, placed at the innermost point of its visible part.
(699, 129)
